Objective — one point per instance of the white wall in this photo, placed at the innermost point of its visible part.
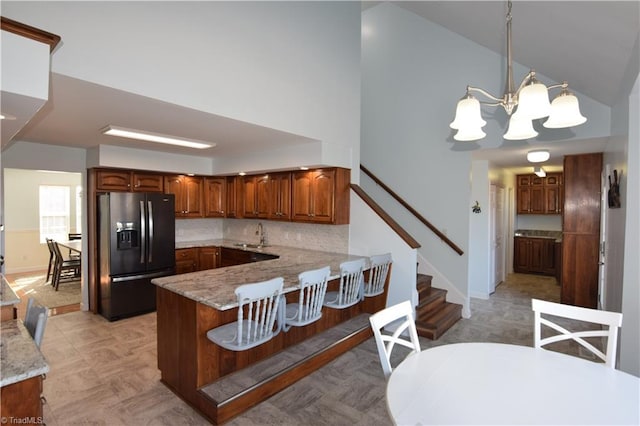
(413, 74)
(370, 235)
(291, 66)
(480, 232)
(630, 344)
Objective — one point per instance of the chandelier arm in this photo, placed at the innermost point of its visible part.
(527, 78)
(484, 92)
(492, 103)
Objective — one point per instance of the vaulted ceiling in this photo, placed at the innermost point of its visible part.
(588, 43)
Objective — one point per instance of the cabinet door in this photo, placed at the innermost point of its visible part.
(524, 200)
(144, 182)
(262, 196)
(521, 255)
(536, 254)
(280, 194)
(552, 200)
(248, 207)
(322, 195)
(215, 197)
(301, 196)
(113, 180)
(186, 260)
(537, 205)
(193, 196)
(173, 185)
(232, 189)
(208, 258)
(255, 196)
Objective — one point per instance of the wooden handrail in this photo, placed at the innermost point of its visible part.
(27, 31)
(384, 216)
(413, 211)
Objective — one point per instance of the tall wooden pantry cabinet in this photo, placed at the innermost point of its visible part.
(581, 229)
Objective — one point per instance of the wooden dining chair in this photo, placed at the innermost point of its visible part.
(64, 269)
(257, 313)
(610, 320)
(52, 259)
(401, 317)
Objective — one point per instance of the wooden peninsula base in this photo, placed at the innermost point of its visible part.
(196, 369)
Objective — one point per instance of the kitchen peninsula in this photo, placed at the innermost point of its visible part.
(188, 305)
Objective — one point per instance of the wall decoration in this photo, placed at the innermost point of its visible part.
(613, 195)
(476, 208)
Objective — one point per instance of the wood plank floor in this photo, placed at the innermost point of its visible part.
(104, 373)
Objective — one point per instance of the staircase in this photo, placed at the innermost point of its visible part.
(434, 315)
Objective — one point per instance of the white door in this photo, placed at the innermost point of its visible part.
(497, 237)
(602, 269)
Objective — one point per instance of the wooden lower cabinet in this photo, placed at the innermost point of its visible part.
(186, 260)
(21, 402)
(208, 258)
(534, 256)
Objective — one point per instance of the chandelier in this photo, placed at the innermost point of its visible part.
(529, 102)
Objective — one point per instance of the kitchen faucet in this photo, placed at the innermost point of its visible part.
(260, 232)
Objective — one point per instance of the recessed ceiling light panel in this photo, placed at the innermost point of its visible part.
(155, 137)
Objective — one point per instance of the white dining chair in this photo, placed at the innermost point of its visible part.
(35, 320)
(257, 313)
(611, 320)
(400, 315)
(308, 308)
(350, 290)
(378, 272)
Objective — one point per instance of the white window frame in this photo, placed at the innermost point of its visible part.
(54, 211)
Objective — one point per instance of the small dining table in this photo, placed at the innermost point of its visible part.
(494, 383)
(75, 245)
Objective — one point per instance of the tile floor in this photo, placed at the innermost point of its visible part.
(104, 373)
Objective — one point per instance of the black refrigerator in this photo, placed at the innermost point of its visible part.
(136, 241)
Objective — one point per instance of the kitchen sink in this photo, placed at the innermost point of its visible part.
(248, 245)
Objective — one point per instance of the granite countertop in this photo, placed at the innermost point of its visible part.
(20, 357)
(215, 287)
(535, 233)
(7, 296)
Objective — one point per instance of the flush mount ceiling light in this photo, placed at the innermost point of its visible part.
(155, 137)
(539, 171)
(538, 156)
(529, 102)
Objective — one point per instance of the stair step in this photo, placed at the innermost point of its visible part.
(430, 299)
(423, 280)
(232, 394)
(433, 324)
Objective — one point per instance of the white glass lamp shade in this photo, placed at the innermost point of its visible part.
(520, 128)
(565, 112)
(467, 114)
(538, 156)
(469, 134)
(533, 101)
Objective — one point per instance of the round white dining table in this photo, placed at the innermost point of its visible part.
(493, 383)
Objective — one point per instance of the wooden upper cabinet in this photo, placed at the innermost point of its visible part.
(321, 196)
(254, 200)
(113, 180)
(147, 182)
(188, 193)
(215, 196)
(127, 180)
(232, 189)
(537, 195)
(280, 196)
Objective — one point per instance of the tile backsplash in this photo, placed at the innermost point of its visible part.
(303, 235)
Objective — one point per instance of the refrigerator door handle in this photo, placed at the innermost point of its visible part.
(150, 246)
(143, 233)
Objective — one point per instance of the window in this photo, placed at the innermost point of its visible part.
(54, 212)
(78, 209)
